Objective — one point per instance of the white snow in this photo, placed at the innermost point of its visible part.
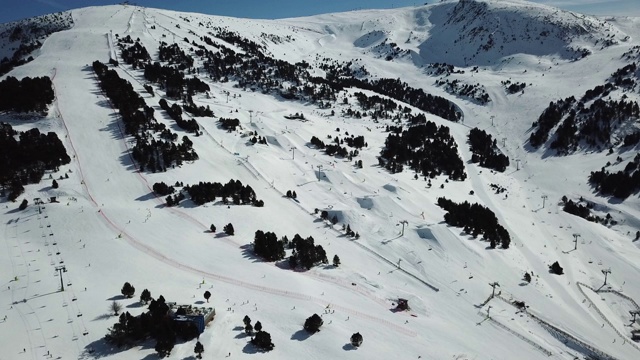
(109, 228)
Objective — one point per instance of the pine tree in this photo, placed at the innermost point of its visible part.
(228, 229)
(248, 329)
(54, 184)
(527, 277)
(246, 320)
(128, 290)
(356, 339)
(258, 326)
(212, 228)
(199, 349)
(145, 296)
(263, 341)
(336, 260)
(207, 295)
(313, 323)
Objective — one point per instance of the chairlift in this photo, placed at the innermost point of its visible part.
(55, 243)
(79, 314)
(57, 252)
(85, 333)
(74, 298)
(61, 261)
(68, 284)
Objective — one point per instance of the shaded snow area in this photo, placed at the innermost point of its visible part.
(108, 227)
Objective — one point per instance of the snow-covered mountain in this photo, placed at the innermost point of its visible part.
(392, 96)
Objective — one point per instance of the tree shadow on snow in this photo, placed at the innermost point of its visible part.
(250, 349)
(348, 347)
(116, 297)
(247, 252)
(134, 305)
(300, 335)
(104, 316)
(149, 196)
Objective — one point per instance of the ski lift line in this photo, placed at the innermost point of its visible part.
(518, 335)
(579, 285)
(554, 329)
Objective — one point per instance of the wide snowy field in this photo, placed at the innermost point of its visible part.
(108, 227)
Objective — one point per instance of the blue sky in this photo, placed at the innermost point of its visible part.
(19, 9)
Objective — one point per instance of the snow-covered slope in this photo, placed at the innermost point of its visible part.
(109, 227)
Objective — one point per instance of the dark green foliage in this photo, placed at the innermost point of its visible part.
(248, 329)
(163, 189)
(128, 290)
(23, 204)
(198, 349)
(356, 339)
(527, 277)
(306, 254)
(212, 228)
(426, 148)
(267, 246)
(207, 295)
(26, 95)
(54, 184)
(336, 261)
(620, 184)
(175, 112)
(313, 323)
(549, 118)
(228, 229)
(486, 152)
(262, 340)
(475, 219)
(258, 326)
(145, 296)
(25, 156)
(205, 192)
(246, 320)
(138, 118)
(555, 268)
(229, 124)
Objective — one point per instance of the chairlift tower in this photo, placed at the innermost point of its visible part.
(575, 242)
(403, 222)
(61, 269)
(605, 272)
(493, 285)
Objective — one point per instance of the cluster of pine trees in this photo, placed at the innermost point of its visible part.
(584, 211)
(155, 324)
(25, 159)
(305, 253)
(620, 184)
(138, 118)
(175, 112)
(475, 219)
(426, 148)
(205, 192)
(268, 246)
(549, 118)
(485, 151)
(26, 95)
(259, 71)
